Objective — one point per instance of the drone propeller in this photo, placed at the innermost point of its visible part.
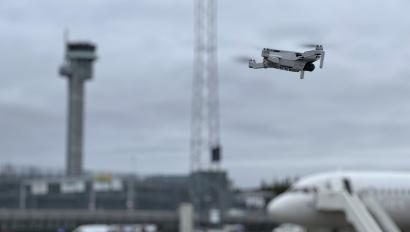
(242, 59)
(328, 45)
(308, 45)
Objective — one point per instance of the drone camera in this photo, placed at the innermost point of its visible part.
(309, 67)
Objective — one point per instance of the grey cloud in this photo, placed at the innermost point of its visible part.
(351, 114)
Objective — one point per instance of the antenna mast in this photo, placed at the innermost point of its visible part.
(205, 135)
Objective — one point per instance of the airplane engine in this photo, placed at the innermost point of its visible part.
(309, 67)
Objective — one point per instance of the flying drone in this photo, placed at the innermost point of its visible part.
(290, 61)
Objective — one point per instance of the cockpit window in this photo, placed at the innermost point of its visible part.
(304, 189)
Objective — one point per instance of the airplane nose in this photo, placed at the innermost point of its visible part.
(279, 208)
(291, 208)
(299, 208)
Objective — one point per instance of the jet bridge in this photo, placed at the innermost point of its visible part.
(363, 212)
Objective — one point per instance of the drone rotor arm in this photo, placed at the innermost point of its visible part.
(254, 65)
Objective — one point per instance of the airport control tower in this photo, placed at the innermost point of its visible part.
(78, 68)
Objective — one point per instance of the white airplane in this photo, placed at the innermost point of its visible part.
(298, 205)
(116, 228)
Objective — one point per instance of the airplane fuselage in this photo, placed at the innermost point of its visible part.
(390, 189)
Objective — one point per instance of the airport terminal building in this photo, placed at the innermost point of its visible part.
(34, 189)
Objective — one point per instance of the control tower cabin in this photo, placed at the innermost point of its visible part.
(78, 68)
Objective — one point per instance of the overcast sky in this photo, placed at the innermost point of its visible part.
(353, 114)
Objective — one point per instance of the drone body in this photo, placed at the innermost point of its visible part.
(290, 61)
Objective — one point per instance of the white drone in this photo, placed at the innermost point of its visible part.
(290, 61)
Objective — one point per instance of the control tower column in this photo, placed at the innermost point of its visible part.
(78, 68)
